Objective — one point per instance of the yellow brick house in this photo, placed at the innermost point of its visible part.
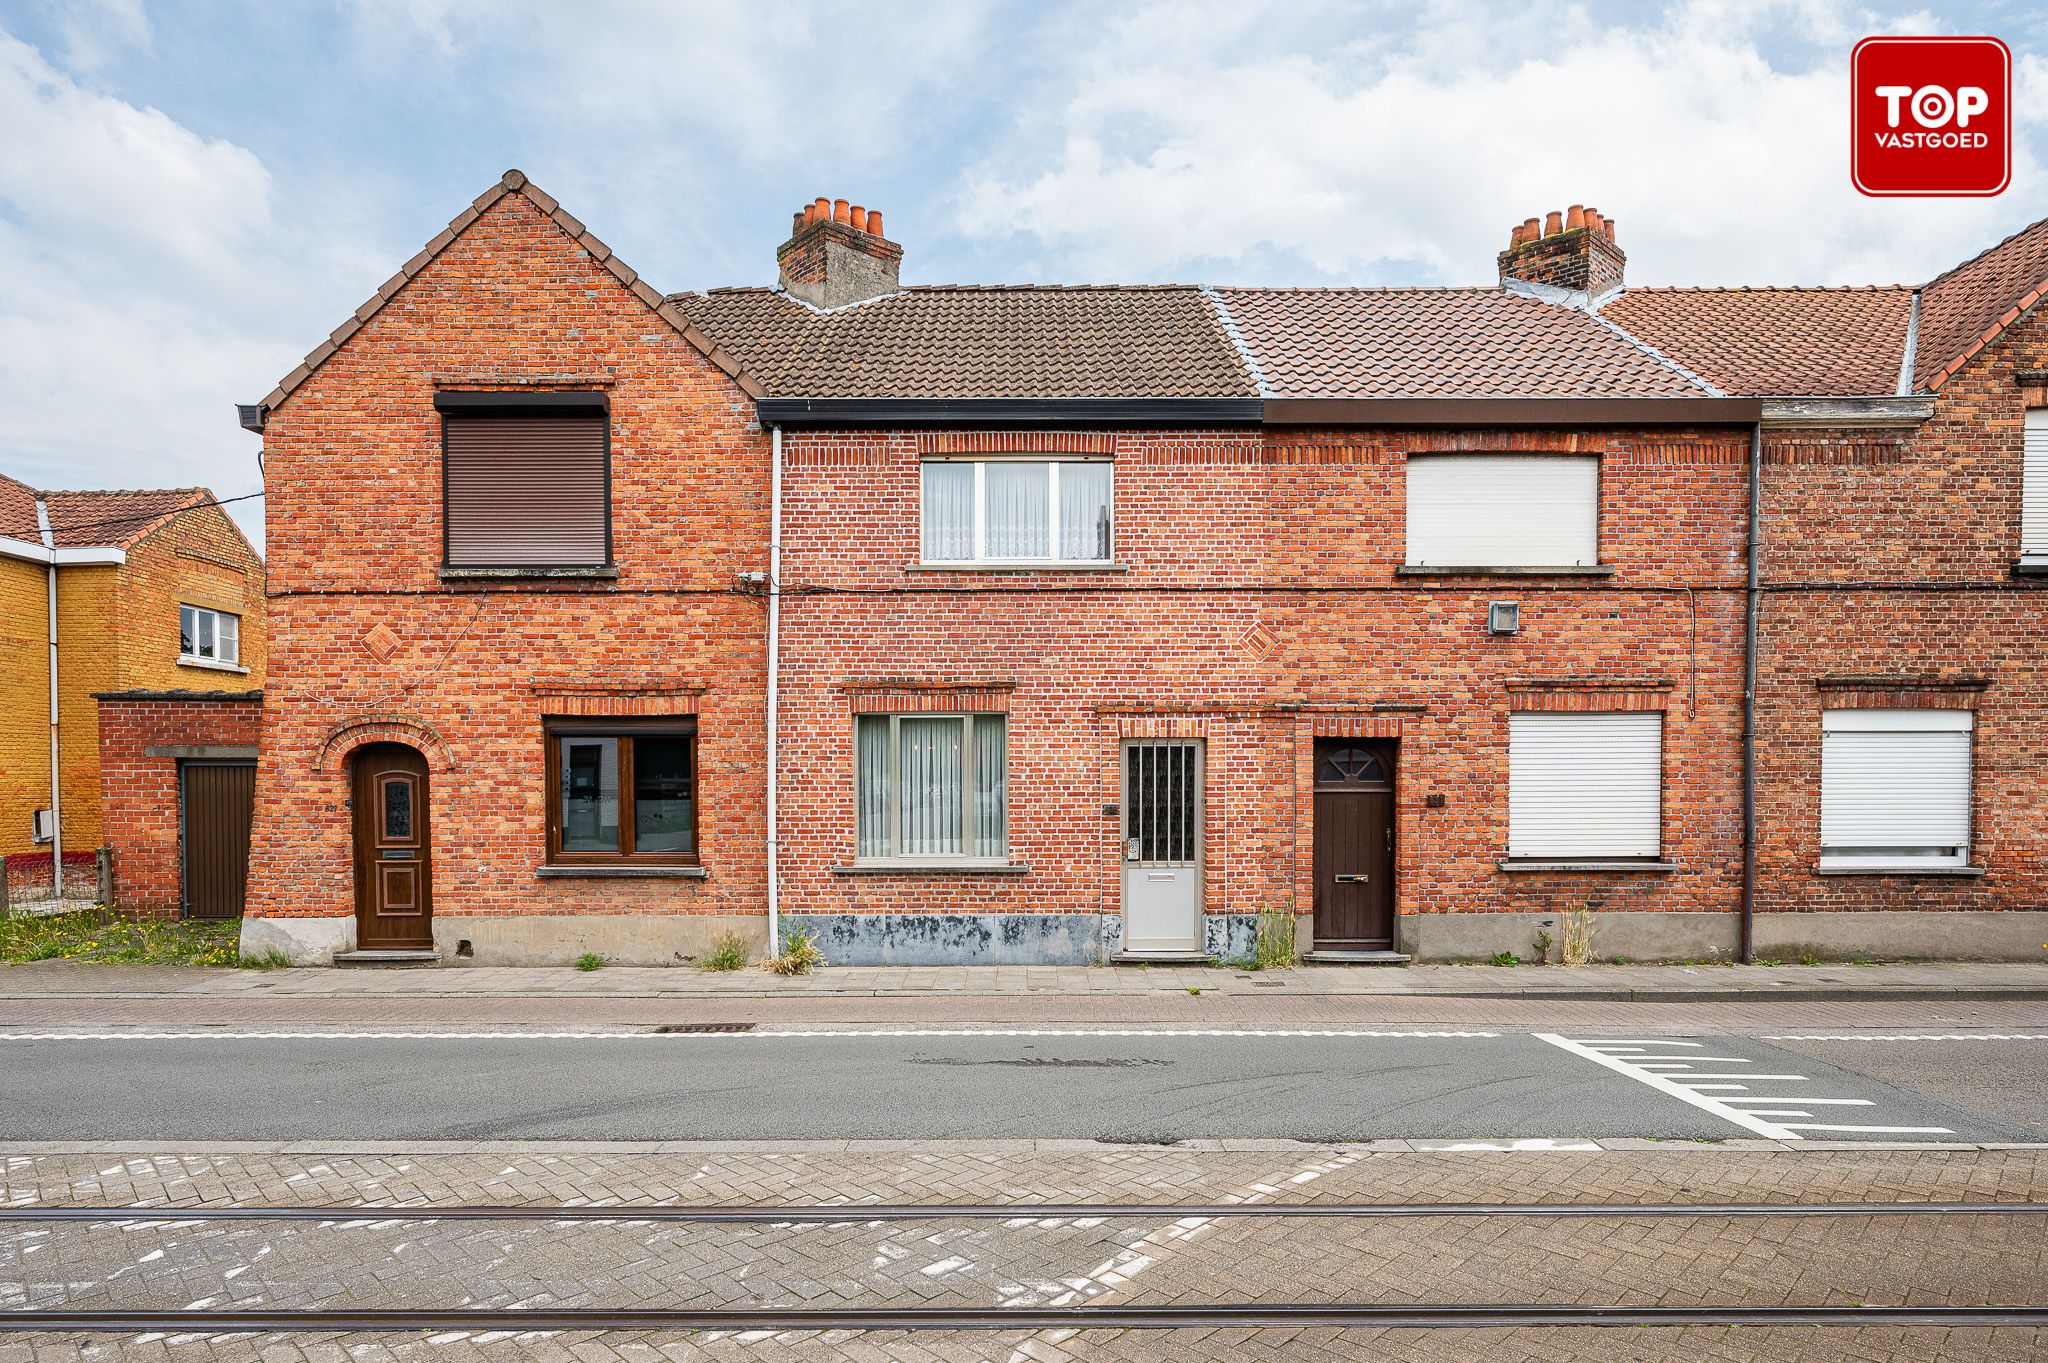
(156, 590)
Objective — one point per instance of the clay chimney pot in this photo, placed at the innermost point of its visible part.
(860, 218)
(820, 208)
(840, 210)
(1531, 229)
(1575, 217)
(1553, 223)
(875, 221)
(1609, 223)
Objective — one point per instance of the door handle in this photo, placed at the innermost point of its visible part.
(1354, 878)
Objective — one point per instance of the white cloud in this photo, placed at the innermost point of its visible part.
(147, 274)
(1411, 161)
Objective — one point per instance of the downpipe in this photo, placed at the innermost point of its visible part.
(56, 717)
(1752, 604)
(774, 688)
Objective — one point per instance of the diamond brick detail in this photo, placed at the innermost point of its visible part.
(1257, 641)
(381, 641)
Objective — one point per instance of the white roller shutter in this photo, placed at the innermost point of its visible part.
(1895, 786)
(1585, 786)
(2034, 484)
(1503, 510)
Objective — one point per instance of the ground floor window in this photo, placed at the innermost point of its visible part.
(1895, 789)
(1585, 786)
(932, 787)
(620, 791)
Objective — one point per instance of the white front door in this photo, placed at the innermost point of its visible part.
(1162, 844)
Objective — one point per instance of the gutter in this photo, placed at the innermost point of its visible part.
(774, 687)
(1249, 411)
(1752, 602)
(56, 768)
(1127, 411)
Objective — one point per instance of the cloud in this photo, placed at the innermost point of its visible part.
(1375, 161)
(146, 270)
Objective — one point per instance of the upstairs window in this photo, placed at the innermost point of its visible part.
(1503, 510)
(932, 787)
(2034, 487)
(1894, 789)
(209, 636)
(1016, 511)
(526, 480)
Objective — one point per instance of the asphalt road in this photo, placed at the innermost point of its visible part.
(922, 1084)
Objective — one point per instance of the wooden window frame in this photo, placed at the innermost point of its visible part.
(554, 730)
(499, 404)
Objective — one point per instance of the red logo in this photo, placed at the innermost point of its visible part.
(1930, 116)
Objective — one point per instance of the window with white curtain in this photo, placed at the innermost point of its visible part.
(932, 787)
(1017, 511)
(1894, 789)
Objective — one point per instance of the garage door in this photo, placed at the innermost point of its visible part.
(218, 798)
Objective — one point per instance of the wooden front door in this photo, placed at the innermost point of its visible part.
(1354, 845)
(394, 863)
(217, 801)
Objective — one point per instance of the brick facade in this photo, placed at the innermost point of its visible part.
(369, 644)
(144, 739)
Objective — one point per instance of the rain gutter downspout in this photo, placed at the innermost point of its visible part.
(774, 685)
(1746, 939)
(56, 767)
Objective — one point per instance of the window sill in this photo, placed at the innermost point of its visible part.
(933, 868)
(1899, 868)
(211, 665)
(2031, 565)
(1020, 566)
(620, 872)
(1526, 865)
(517, 574)
(1435, 570)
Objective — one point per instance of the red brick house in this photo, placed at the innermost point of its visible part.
(1103, 619)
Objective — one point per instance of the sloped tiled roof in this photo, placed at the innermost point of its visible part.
(119, 517)
(1440, 343)
(1964, 309)
(1840, 342)
(17, 510)
(950, 341)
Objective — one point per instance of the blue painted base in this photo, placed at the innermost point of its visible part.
(954, 938)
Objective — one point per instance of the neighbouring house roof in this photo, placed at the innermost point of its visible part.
(949, 341)
(18, 510)
(1448, 343)
(118, 517)
(512, 182)
(1966, 308)
(1776, 342)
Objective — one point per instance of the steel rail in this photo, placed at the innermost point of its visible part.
(1010, 1211)
(1119, 1316)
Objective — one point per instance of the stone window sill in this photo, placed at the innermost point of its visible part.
(2031, 565)
(933, 868)
(1525, 865)
(211, 665)
(621, 872)
(1898, 868)
(1028, 566)
(1435, 570)
(602, 571)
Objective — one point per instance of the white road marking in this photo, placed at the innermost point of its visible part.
(1914, 1036)
(1705, 1102)
(1718, 1092)
(217, 1034)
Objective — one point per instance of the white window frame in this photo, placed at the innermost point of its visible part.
(980, 465)
(1902, 719)
(2034, 489)
(970, 790)
(1654, 856)
(1472, 460)
(229, 661)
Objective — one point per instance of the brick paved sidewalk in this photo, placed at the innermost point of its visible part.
(1652, 983)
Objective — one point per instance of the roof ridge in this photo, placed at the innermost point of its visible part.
(115, 491)
(1767, 288)
(1995, 246)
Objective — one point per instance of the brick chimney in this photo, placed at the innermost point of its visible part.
(1573, 250)
(836, 254)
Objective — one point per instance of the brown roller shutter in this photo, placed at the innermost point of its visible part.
(526, 491)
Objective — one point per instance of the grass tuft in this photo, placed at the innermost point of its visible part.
(91, 935)
(728, 952)
(590, 960)
(800, 954)
(1274, 949)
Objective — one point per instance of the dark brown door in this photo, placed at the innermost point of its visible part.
(394, 870)
(218, 800)
(1354, 847)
